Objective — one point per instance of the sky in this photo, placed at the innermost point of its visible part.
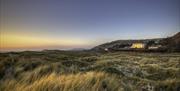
(67, 24)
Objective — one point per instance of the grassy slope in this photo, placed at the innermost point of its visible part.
(86, 71)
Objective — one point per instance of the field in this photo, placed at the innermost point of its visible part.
(89, 71)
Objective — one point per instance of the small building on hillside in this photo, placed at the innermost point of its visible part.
(106, 49)
(138, 46)
(154, 47)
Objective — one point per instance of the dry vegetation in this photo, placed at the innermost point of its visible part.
(90, 81)
(89, 71)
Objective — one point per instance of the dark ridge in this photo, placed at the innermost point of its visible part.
(170, 44)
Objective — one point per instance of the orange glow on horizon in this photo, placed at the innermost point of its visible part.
(19, 40)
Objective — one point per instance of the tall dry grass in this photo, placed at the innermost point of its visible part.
(63, 71)
(90, 81)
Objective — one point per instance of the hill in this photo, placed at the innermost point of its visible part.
(171, 44)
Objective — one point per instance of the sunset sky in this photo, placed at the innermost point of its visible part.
(67, 24)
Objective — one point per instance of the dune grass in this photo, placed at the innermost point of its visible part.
(87, 71)
(90, 81)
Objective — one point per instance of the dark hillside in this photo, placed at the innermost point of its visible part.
(173, 43)
(170, 44)
(122, 43)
